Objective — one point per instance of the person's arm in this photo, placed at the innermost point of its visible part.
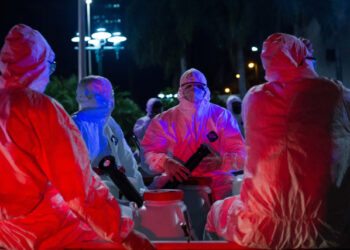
(124, 154)
(231, 143)
(155, 147)
(64, 159)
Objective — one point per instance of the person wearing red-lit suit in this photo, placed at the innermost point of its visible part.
(296, 180)
(174, 135)
(49, 196)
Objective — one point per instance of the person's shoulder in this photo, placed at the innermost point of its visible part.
(30, 99)
(167, 114)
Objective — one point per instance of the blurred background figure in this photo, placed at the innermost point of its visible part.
(49, 196)
(102, 134)
(297, 168)
(153, 107)
(234, 105)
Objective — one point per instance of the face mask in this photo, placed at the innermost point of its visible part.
(194, 92)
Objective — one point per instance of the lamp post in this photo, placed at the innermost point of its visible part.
(100, 41)
(88, 3)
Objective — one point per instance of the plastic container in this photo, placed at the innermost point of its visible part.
(236, 185)
(197, 197)
(162, 217)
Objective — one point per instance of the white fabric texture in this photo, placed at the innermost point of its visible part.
(179, 131)
(49, 196)
(103, 136)
(296, 172)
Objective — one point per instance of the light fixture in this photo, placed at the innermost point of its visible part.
(101, 34)
(227, 90)
(254, 49)
(116, 38)
(251, 65)
(238, 76)
(94, 42)
(161, 95)
(76, 38)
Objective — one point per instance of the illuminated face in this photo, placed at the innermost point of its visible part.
(193, 92)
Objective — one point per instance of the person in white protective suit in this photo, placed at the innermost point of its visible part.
(234, 105)
(102, 134)
(49, 197)
(174, 135)
(153, 107)
(298, 143)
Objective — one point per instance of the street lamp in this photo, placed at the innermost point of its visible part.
(103, 40)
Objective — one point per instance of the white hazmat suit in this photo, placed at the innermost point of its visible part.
(234, 104)
(178, 132)
(102, 134)
(49, 197)
(153, 107)
(295, 189)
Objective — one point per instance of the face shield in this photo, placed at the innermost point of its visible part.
(193, 86)
(193, 92)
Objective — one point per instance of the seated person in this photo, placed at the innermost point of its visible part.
(153, 108)
(234, 105)
(298, 141)
(101, 132)
(174, 135)
(49, 196)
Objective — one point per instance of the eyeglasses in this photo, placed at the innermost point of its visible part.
(193, 84)
(307, 58)
(52, 66)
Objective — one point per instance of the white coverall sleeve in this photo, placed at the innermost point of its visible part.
(155, 146)
(231, 148)
(64, 160)
(125, 156)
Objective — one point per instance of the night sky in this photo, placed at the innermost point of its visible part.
(57, 21)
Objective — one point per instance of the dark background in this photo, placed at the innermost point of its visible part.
(205, 32)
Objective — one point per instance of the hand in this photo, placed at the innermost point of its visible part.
(175, 169)
(137, 241)
(211, 162)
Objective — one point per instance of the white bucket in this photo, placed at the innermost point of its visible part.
(162, 217)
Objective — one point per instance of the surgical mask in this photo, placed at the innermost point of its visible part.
(193, 92)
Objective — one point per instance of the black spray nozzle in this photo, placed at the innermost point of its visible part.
(107, 165)
(195, 159)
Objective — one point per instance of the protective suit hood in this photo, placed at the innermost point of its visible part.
(95, 92)
(150, 104)
(25, 59)
(284, 58)
(230, 100)
(193, 76)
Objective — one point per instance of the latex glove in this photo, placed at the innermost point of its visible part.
(175, 169)
(211, 162)
(137, 241)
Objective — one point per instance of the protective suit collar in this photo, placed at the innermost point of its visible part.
(283, 57)
(94, 114)
(24, 59)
